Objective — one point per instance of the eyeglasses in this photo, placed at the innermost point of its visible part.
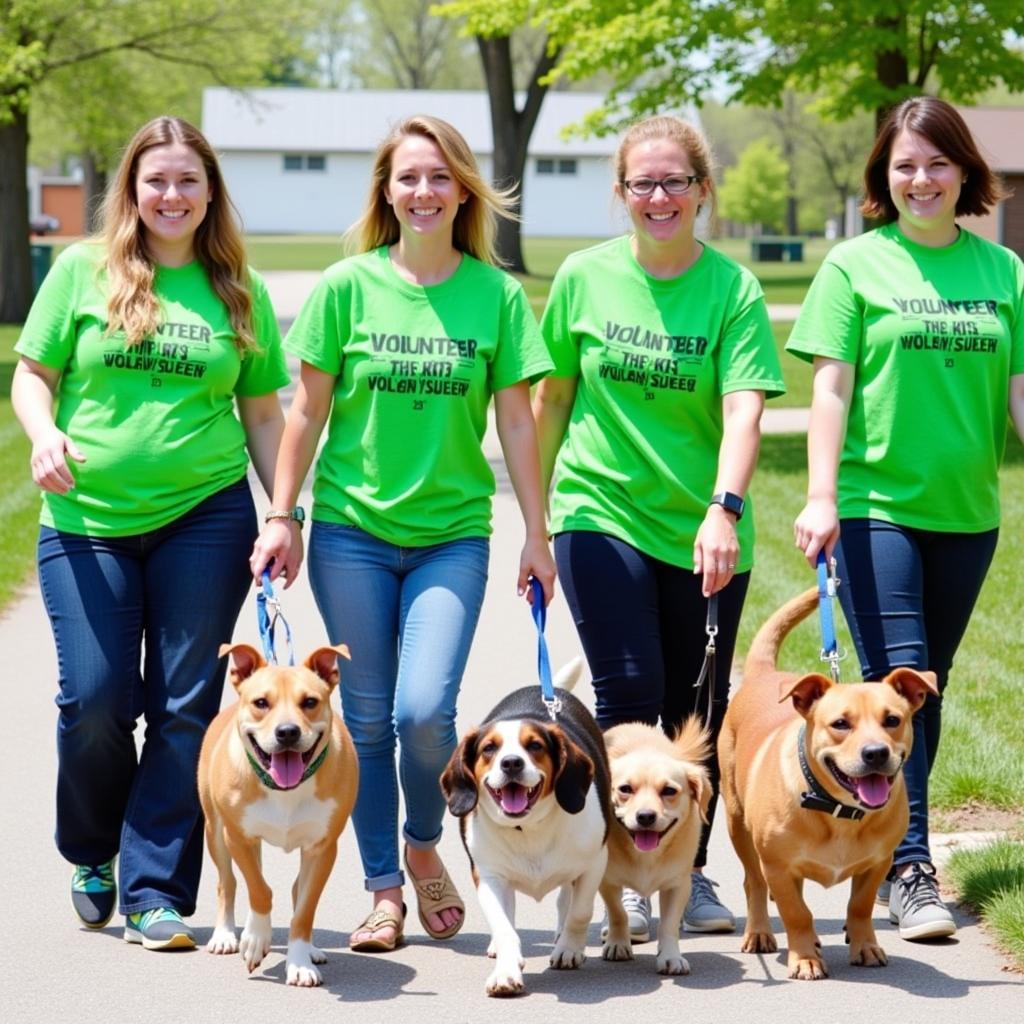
(675, 185)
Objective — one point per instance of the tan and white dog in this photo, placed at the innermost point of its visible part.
(532, 798)
(278, 766)
(660, 793)
(813, 790)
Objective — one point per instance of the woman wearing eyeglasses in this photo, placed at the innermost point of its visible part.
(663, 356)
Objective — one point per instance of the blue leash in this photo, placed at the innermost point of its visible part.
(268, 612)
(540, 618)
(827, 584)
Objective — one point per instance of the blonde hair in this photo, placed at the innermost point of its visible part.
(476, 222)
(689, 139)
(132, 305)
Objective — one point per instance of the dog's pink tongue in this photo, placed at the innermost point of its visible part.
(514, 798)
(286, 768)
(873, 790)
(645, 840)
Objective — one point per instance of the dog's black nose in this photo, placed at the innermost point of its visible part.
(874, 755)
(512, 764)
(645, 819)
(287, 734)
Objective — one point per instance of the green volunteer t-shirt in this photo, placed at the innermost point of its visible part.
(156, 422)
(653, 359)
(416, 367)
(934, 335)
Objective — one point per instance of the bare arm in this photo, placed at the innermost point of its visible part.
(552, 406)
(1017, 403)
(263, 421)
(817, 526)
(32, 392)
(518, 435)
(716, 549)
(282, 539)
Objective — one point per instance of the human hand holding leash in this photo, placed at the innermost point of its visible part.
(816, 528)
(716, 550)
(279, 548)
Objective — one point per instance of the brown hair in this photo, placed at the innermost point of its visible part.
(476, 222)
(941, 124)
(664, 126)
(132, 305)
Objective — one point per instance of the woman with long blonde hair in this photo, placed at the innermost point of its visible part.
(402, 347)
(133, 357)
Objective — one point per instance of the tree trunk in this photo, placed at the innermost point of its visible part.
(95, 186)
(15, 263)
(891, 68)
(511, 129)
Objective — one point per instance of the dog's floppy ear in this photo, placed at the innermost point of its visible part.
(805, 692)
(458, 783)
(245, 660)
(324, 662)
(700, 788)
(575, 772)
(912, 685)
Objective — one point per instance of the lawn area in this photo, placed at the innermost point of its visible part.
(19, 506)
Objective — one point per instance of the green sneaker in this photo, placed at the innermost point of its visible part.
(94, 893)
(159, 928)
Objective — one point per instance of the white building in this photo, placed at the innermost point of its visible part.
(298, 160)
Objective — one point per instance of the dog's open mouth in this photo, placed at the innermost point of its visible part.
(513, 799)
(646, 839)
(871, 790)
(285, 768)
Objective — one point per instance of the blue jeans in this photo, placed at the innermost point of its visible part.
(137, 622)
(408, 616)
(641, 623)
(907, 595)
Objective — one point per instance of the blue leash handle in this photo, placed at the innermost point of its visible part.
(826, 596)
(540, 618)
(268, 612)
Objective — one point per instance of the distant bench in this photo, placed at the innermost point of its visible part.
(775, 249)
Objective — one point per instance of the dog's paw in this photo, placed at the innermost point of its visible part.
(303, 975)
(255, 942)
(867, 954)
(301, 959)
(807, 968)
(673, 964)
(567, 958)
(223, 940)
(617, 950)
(492, 949)
(759, 942)
(505, 982)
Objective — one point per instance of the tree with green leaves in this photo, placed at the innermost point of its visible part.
(754, 190)
(232, 41)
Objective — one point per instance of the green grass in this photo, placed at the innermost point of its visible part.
(19, 506)
(991, 879)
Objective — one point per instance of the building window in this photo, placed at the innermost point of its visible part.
(305, 162)
(546, 165)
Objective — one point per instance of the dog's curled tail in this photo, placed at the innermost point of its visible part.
(569, 674)
(764, 651)
(692, 742)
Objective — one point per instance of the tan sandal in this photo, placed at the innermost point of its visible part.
(434, 895)
(374, 922)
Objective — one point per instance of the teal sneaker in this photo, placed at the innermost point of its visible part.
(94, 893)
(159, 928)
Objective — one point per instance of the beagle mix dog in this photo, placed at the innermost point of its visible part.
(532, 796)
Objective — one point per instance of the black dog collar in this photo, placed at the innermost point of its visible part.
(817, 798)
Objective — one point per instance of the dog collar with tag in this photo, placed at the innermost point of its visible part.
(265, 777)
(818, 798)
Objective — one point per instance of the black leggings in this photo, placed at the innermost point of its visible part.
(641, 624)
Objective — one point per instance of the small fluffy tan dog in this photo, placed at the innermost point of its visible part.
(660, 794)
(279, 766)
(813, 789)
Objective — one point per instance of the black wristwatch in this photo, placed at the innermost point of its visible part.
(296, 515)
(730, 502)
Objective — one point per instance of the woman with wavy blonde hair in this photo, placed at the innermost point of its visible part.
(402, 347)
(145, 339)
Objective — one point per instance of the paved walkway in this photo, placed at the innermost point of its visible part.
(56, 971)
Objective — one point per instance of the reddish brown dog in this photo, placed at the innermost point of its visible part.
(813, 789)
(277, 766)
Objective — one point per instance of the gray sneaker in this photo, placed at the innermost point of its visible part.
(916, 907)
(705, 912)
(638, 913)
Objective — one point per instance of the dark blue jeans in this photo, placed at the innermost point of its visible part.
(641, 622)
(137, 623)
(907, 595)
